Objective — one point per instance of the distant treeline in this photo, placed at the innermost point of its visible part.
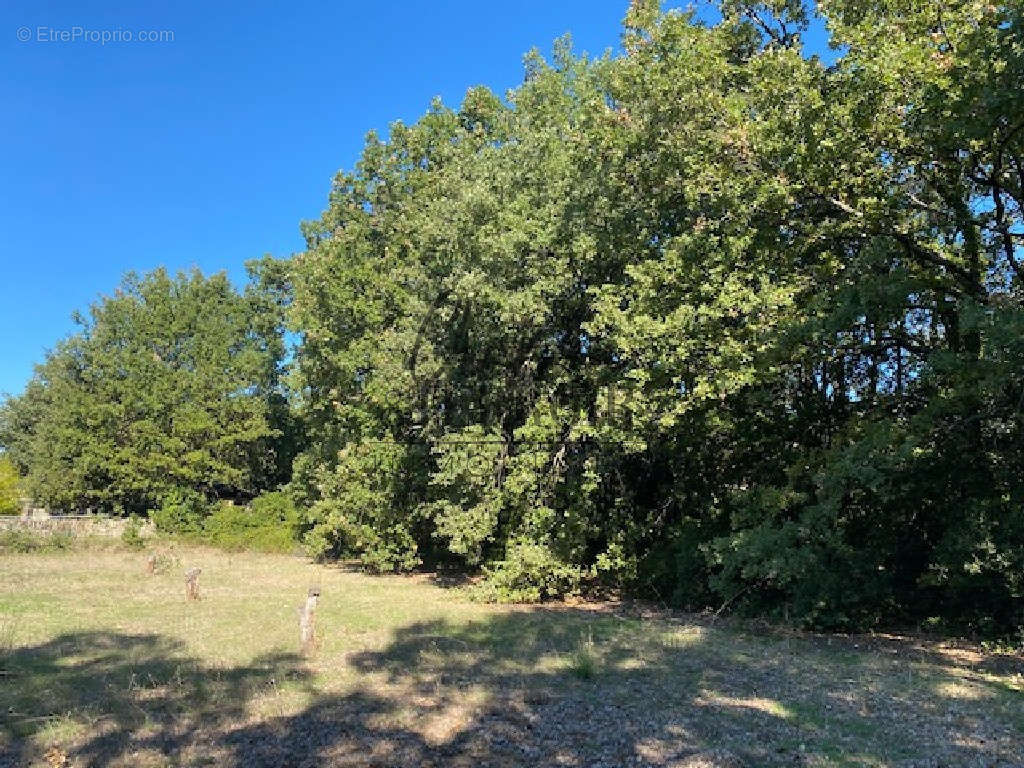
(708, 320)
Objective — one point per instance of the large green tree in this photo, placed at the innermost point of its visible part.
(710, 319)
(171, 384)
(10, 487)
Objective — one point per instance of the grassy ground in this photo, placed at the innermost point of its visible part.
(103, 664)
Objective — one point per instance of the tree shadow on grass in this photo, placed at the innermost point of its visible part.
(525, 687)
(577, 688)
(136, 695)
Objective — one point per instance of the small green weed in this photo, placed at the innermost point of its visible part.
(583, 661)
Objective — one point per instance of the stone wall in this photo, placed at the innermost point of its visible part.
(75, 525)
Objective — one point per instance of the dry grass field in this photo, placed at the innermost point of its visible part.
(103, 664)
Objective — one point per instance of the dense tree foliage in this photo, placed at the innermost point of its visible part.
(708, 319)
(10, 487)
(171, 385)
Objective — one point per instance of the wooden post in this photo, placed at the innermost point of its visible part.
(151, 564)
(307, 621)
(192, 583)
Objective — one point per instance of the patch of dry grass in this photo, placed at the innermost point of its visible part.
(103, 664)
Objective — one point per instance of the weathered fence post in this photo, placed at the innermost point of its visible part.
(307, 621)
(192, 583)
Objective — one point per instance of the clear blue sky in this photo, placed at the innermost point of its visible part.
(209, 150)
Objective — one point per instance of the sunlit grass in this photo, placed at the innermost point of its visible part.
(92, 648)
